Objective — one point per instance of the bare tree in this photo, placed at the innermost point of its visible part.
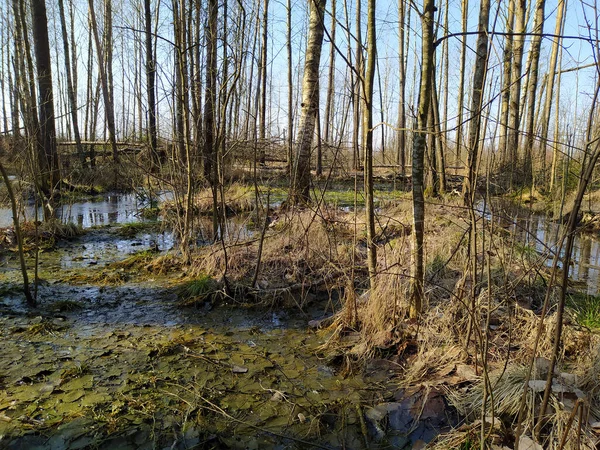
(478, 84)
(368, 141)
(70, 86)
(532, 87)
(150, 85)
(506, 83)
(545, 119)
(300, 186)
(46, 145)
(418, 155)
(106, 83)
(514, 110)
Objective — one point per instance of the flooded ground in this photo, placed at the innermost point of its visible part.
(536, 233)
(111, 359)
(119, 364)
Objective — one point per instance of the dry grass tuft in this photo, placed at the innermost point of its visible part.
(238, 198)
(301, 249)
(505, 401)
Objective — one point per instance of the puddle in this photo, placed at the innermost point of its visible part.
(102, 248)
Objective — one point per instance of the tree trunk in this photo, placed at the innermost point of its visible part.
(478, 85)
(514, 109)
(506, 84)
(417, 273)
(401, 157)
(300, 187)
(47, 150)
(368, 142)
(534, 52)
(330, 100)
(461, 86)
(105, 83)
(263, 78)
(547, 110)
(150, 87)
(290, 130)
(70, 85)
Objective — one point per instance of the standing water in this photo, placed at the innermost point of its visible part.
(542, 235)
(109, 209)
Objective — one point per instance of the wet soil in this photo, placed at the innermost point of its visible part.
(122, 365)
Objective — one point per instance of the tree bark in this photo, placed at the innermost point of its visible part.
(506, 85)
(47, 150)
(150, 86)
(368, 142)
(547, 110)
(300, 187)
(417, 272)
(514, 109)
(532, 86)
(461, 86)
(263, 86)
(109, 110)
(478, 85)
(401, 157)
(290, 118)
(70, 86)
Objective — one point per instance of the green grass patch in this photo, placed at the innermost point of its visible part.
(197, 290)
(586, 309)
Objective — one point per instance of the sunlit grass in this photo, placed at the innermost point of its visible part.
(586, 309)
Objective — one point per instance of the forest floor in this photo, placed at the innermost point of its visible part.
(128, 348)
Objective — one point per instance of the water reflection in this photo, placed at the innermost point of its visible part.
(111, 209)
(541, 234)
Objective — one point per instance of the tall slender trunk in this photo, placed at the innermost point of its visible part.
(358, 86)
(401, 156)
(150, 87)
(478, 84)
(461, 86)
(300, 186)
(47, 150)
(330, 99)
(506, 84)
(70, 86)
(368, 141)
(514, 109)
(290, 118)
(417, 273)
(263, 87)
(547, 110)
(105, 83)
(210, 94)
(532, 87)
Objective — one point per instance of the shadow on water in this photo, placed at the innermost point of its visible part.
(542, 235)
